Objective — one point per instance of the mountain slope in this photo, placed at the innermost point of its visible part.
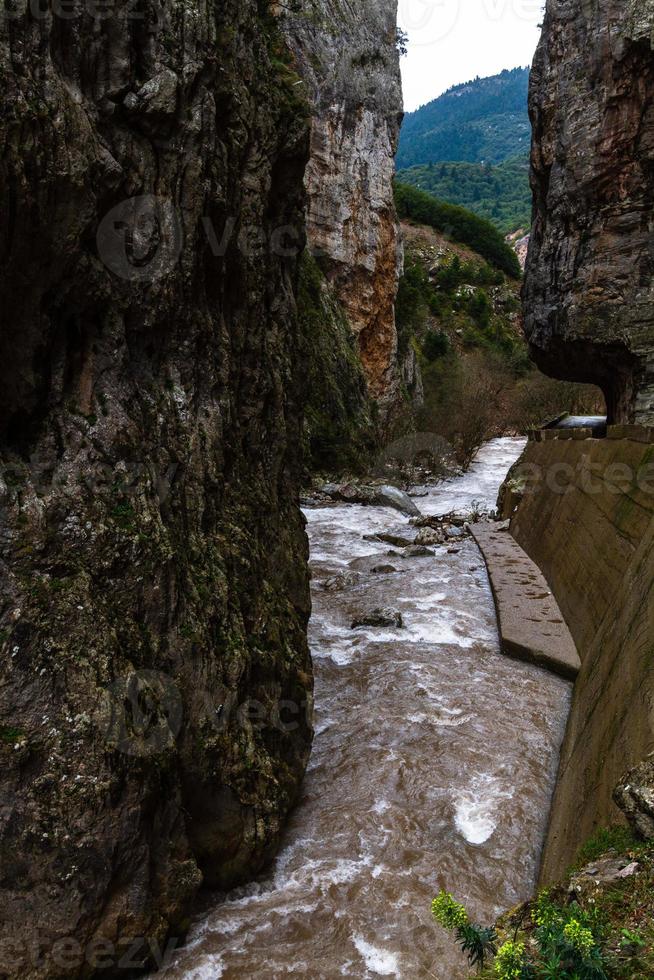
(470, 378)
(458, 224)
(484, 120)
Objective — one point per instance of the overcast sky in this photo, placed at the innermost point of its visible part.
(451, 41)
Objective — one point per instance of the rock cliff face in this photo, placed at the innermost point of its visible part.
(349, 59)
(154, 671)
(589, 298)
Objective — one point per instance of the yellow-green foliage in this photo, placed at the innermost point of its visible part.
(578, 936)
(447, 912)
(545, 913)
(510, 960)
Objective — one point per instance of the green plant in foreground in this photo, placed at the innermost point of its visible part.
(447, 912)
(477, 942)
(562, 944)
(545, 914)
(510, 962)
(580, 938)
(569, 951)
(631, 938)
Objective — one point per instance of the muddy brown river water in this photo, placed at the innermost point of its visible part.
(433, 766)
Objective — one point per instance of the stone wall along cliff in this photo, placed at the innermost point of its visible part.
(152, 557)
(587, 520)
(589, 299)
(348, 56)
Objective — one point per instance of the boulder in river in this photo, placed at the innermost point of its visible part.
(392, 497)
(395, 539)
(382, 496)
(441, 520)
(430, 535)
(341, 581)
(383, 569)
(379, 617)
(417, 551)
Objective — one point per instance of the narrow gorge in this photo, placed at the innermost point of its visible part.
(257, 399)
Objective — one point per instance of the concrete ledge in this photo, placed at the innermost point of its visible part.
(554, 435)
(530, 621)
(636, 433)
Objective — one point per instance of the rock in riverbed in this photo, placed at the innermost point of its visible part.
(382, 496)
(394, 539)
(341, 581)
(430, 535)
(379, 617)
(392, 497)
(438, 521)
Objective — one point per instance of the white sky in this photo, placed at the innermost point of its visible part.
(451, 41)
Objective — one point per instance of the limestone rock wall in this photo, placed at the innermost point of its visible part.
(155, 681)
(587, 519)
(589, 294)
(348, 56)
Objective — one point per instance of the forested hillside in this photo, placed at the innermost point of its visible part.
(500, 194)
(481, 121)
(458, 224)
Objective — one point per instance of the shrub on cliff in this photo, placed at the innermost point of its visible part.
(460, 316)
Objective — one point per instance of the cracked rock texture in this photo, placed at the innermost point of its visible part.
(348, 57)
(589, 298)
(153, 569)
(635, 797)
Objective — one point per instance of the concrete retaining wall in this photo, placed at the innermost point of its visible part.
(586, 519)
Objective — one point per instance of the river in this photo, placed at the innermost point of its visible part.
(433, 766)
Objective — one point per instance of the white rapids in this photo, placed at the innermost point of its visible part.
(433, 765)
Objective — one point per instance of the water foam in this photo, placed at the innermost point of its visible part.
(475, 808)
(378, 961)
(209, 968)
(442, 718)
